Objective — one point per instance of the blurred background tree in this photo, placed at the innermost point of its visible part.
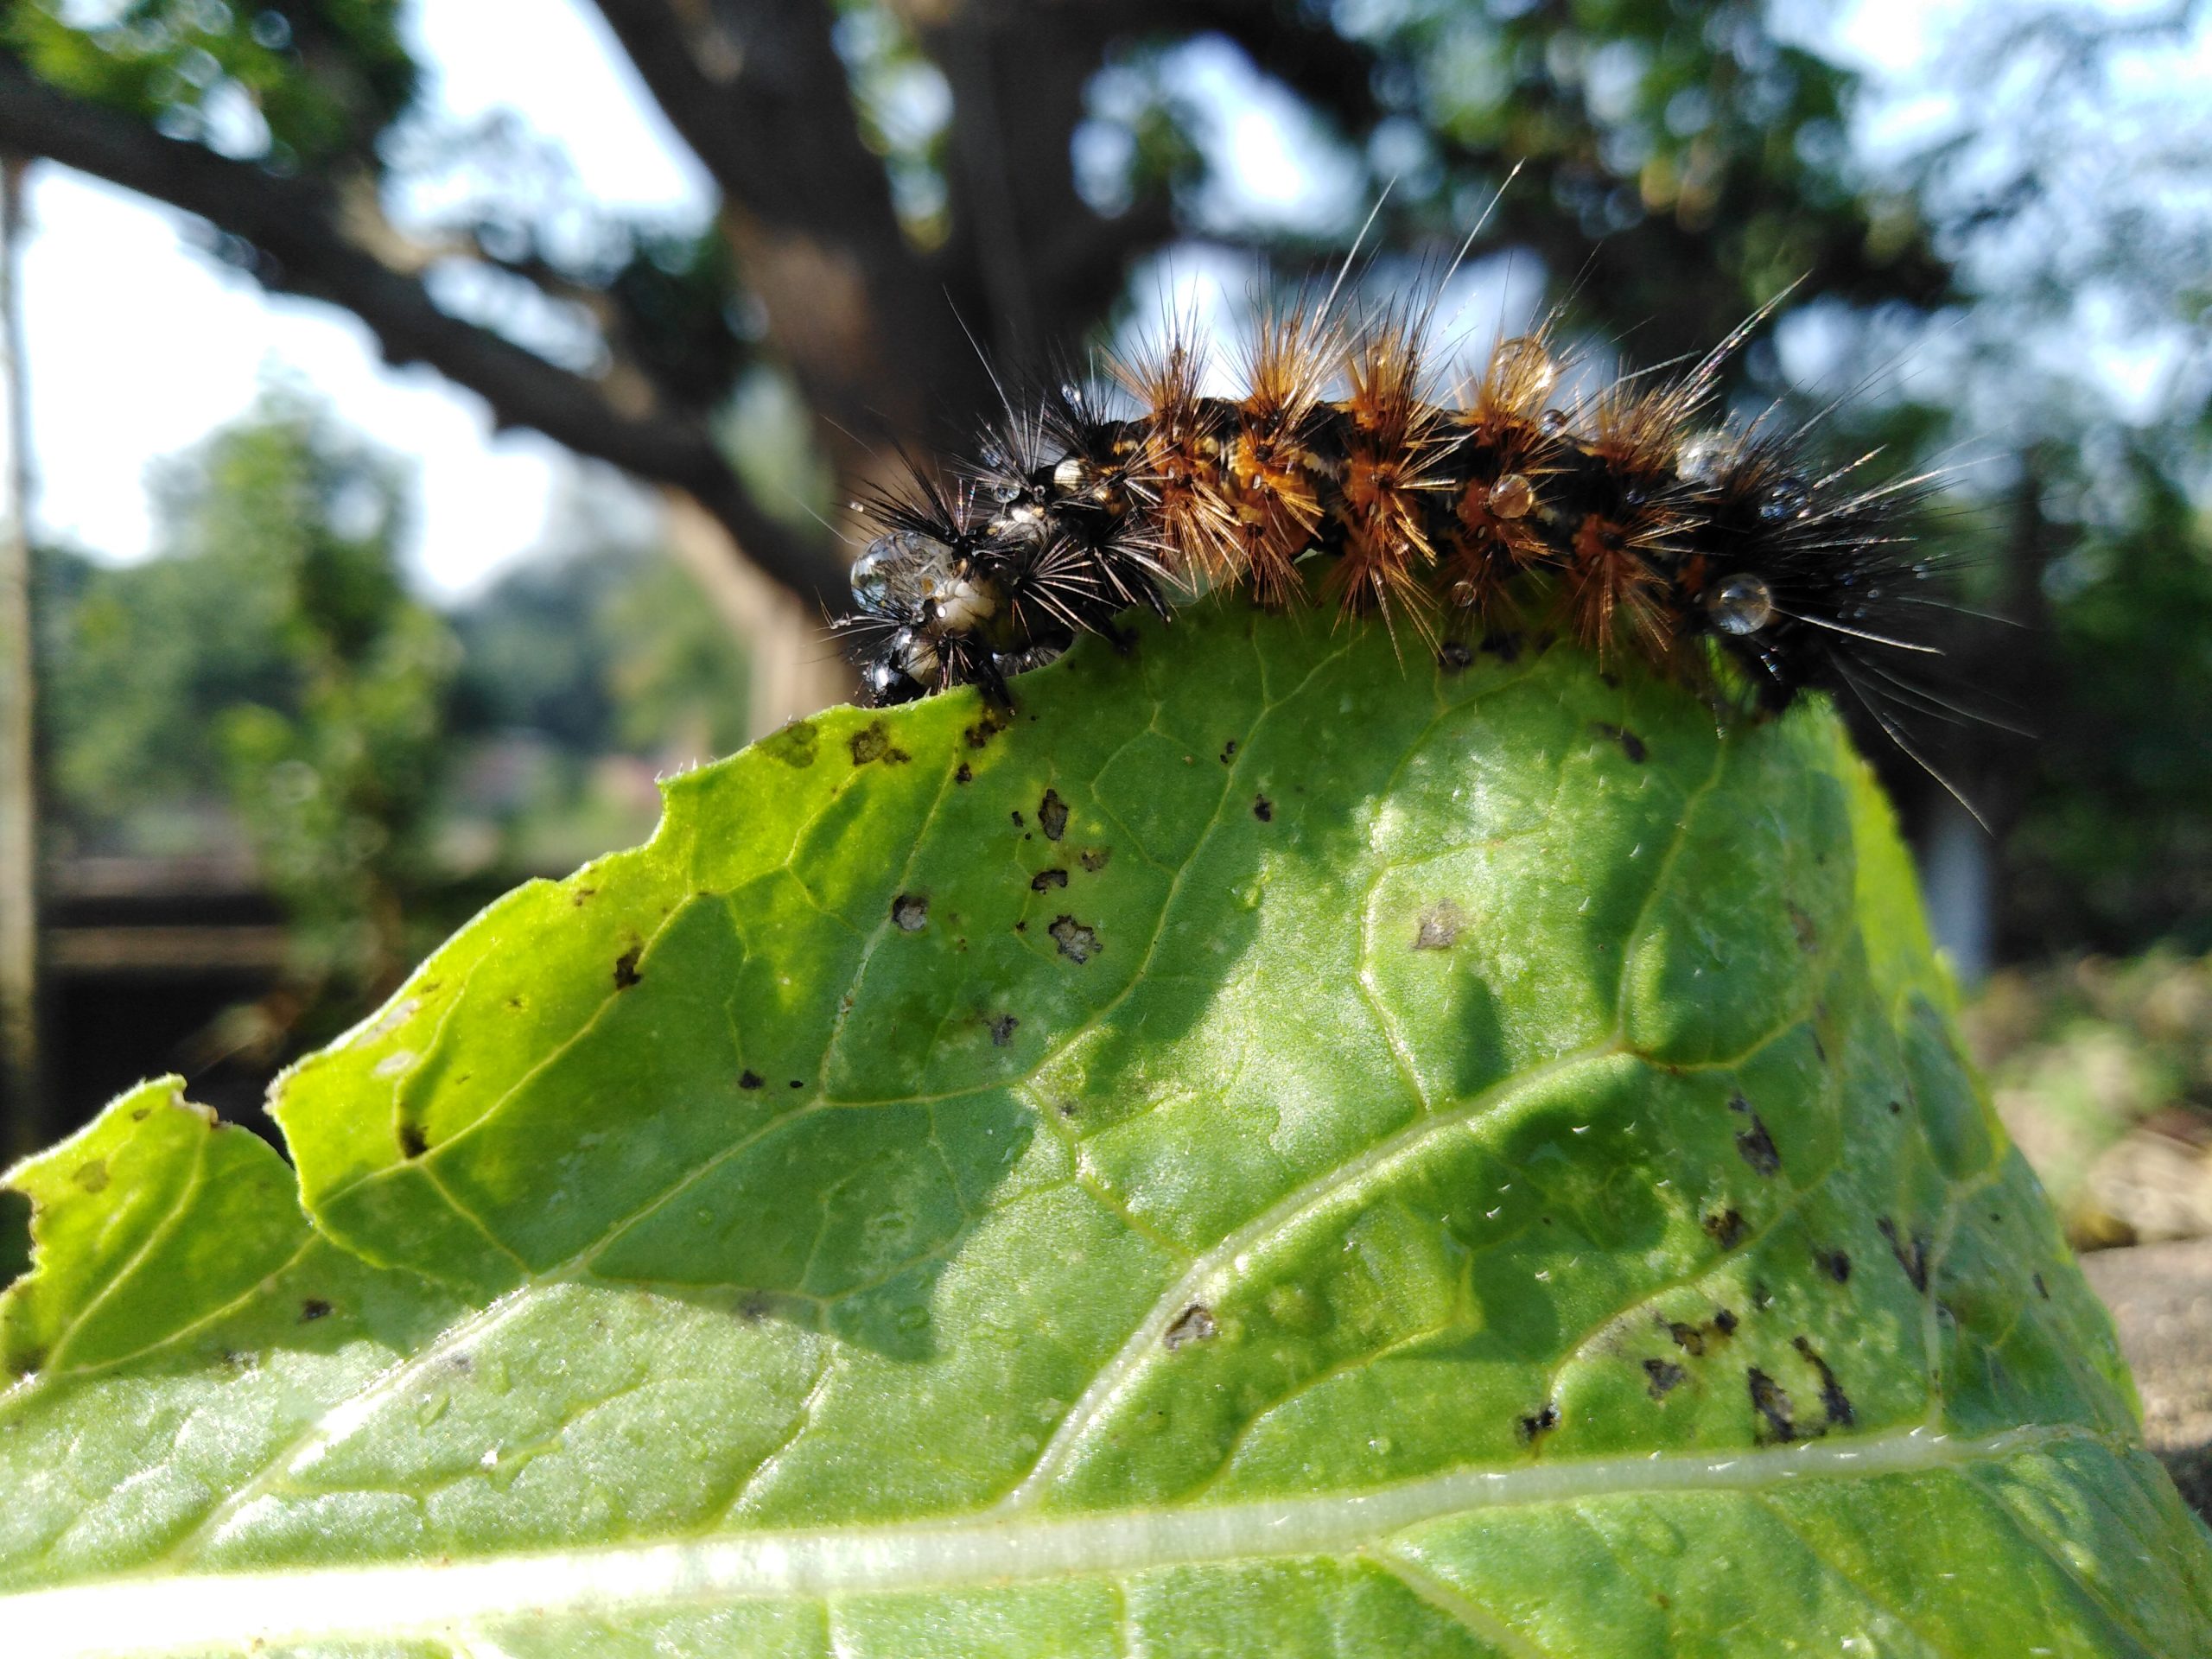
(1993, 263)
(270, 660)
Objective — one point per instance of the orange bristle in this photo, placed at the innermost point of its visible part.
(1389, 471)
(1508, 452)
(1180, 463)
(1271, 471)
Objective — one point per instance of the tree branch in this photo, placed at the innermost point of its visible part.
(870, 327)
(298, 230)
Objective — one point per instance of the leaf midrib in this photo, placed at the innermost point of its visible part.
(229, 1610)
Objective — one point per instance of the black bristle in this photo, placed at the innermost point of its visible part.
(1691, 547)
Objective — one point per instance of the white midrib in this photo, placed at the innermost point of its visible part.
(236, 1610)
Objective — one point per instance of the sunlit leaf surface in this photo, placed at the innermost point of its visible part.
(1274, 1149)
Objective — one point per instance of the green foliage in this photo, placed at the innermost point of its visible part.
(324, 78)
(2116, 847)
(270, 651)
(677, 677)
(585, 653)
(1274, 1149)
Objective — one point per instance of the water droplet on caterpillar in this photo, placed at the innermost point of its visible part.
(883, 680)
(871, 574)
(1740, 605)
(1071, 475)
(1785, 499)
(1511, 497)
(897, 569)
(915, 655)
(1705, 457)
(1526, 368)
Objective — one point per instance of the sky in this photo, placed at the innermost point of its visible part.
(139, 346)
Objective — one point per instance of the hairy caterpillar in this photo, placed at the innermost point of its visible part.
(1627, 520)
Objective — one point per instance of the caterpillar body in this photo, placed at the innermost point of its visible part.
(1628, 519)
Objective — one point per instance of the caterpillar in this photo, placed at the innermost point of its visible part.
(1631, 520)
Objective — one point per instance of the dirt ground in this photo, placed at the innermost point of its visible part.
(2161, 1296)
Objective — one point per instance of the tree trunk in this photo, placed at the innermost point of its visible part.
(22, 1108)
(796, 671)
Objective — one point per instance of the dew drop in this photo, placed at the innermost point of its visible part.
(1785, 499)
(1704, 457)
(1740, 605)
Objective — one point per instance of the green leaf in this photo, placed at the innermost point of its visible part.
(1274, 1149)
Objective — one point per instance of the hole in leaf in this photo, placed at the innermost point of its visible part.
(1051, 816)
(1077, 944)
(1194, 1324)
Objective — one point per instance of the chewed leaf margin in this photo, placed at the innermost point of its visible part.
(673, 1442)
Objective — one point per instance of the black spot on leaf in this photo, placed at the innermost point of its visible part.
(1726, 1227)
(2041, 1289)
(1758, 1148)
(1696, 1339)
(1095, 860)
(1662, 1376)
(1453, 656)
(1505, 645)
(1229, 751)
(749, 1080)
(985, 729)
(1538, 1424)
(874, 743)
(1439, 927)
(1052, 815)
(1772, 1401)
(1045, 881)
(1194, 1324)
(1834, 1263)
(625, 968)
(1911, 1252)
(796, 745)
(910, 913)
(1002, 1031)
(413, 1143)
(1077, 943)
(1263, 808)
(963, 773)
(1833, 1401)
(1631, 745)
(313, 1308)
